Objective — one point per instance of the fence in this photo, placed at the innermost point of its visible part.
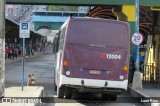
(151, 75)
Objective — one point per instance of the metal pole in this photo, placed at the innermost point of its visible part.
(23, 63)
(137, 31)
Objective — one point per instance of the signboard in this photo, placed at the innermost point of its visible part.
(137, 38)
(24, 30)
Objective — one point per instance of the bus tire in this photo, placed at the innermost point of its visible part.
(105, 97)
(60, 92)
(68, 92)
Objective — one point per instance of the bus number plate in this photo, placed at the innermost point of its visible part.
(94, 71)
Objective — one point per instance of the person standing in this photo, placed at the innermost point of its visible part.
(13, 53)
(19, 52)
(7, 52)
(16, 53)
(10, 53)
(141, 60)
(33, 80)
(29, 80)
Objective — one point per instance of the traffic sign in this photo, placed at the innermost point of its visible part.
(137, 38)
(24, 31)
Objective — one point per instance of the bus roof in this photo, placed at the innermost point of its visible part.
(92, 19)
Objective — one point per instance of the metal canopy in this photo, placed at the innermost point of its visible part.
(12, 30)
(85, 2)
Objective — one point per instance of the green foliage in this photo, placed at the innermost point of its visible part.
(62, 8)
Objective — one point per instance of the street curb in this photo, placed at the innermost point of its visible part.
(135, 93)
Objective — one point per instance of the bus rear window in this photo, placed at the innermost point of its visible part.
(107, 33)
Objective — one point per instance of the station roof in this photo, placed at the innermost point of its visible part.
(12, 30)
(85, 2)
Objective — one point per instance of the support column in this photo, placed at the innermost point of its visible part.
(127, 13)
(119, 13)
(31, 43)
(36, 40)
(133, 13)
(2, 46)
(157, 57)
(37, 43)
(156, 39)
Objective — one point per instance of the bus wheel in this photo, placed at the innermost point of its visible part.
(60, 92)
(68, 92)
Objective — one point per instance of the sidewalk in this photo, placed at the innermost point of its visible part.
(146, 93)
(28, 97)
(19, 59)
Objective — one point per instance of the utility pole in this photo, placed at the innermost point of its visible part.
(137, 80)
(137, 31)
(2, 46)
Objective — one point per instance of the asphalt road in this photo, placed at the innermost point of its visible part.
(42, 67)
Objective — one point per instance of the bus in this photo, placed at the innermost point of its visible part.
(92, 55)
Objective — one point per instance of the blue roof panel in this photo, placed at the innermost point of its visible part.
(49, 18)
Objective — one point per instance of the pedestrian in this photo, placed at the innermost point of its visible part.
(32, 51)
(33, 80)
(141, 60)
(19, 52)
(29, 80)
(7, 52)
(13, 53)
(133, 66)
(10, 53)
(16, 53)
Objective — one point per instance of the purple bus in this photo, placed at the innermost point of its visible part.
(92, 55)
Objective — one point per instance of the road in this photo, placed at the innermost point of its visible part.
(42, 67)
